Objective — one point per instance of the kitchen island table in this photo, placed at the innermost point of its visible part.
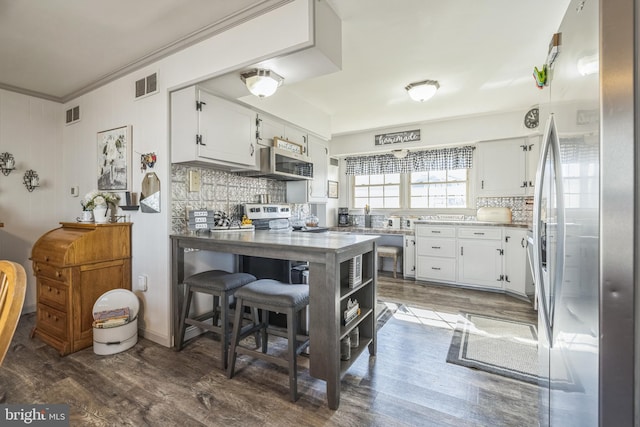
(335, 259)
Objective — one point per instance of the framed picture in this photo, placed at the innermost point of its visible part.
(114, 159)
(333, 189)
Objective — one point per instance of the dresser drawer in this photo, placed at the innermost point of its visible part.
(437, 247)
(48, 270)
(489, 233)
(52, 321)
(52, 293)
(430, 268)
(435, 231)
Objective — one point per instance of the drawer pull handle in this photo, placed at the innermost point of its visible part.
(436, 231)
(49, 288)
(58, 274)
(46, 258)
(436, 268)
(479, 234)
(435, 247)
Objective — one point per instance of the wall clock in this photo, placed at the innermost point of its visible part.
(532, 118)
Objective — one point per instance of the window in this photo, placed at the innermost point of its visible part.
(438, 189)
(377, 191)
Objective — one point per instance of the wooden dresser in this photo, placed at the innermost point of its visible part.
(74, 265)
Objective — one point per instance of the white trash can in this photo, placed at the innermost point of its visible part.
(119, 338)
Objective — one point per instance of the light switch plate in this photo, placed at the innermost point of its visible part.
(194, 181)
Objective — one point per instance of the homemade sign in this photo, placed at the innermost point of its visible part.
(397, 137)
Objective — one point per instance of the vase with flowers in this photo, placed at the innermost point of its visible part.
(99, 203)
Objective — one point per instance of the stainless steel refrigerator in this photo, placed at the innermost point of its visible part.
(583, 225)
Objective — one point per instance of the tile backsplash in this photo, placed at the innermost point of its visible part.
(521, 207)
(219, 191)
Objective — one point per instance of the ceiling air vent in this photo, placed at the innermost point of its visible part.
(72, 115)
(333, 161)
(147, 86)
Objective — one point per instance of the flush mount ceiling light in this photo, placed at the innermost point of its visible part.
(400, 153)
(261, 82)
(421, 91)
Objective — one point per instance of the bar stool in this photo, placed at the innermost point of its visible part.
(221, 285)
(390, 252)
(271, 295)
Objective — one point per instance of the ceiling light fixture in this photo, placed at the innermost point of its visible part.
(421, 91)
(400, 153)
(261, 82)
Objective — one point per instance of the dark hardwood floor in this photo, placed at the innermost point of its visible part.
(408, 383)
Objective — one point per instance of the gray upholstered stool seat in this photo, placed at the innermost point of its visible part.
(221, 285)
(390, 252)
(271, 295)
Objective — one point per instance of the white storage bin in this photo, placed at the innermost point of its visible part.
(120, 338)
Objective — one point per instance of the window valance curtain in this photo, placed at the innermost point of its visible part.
(418, 161)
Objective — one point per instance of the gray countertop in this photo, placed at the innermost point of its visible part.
(305, 242)
(372, 230)
(472, 223)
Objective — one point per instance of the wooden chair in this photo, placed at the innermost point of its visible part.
(13, 284)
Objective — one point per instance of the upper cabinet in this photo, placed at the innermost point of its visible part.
(315, 190)
(206, 129)
(269, 127)
(507, 167)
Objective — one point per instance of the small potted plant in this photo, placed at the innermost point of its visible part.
(98, 203)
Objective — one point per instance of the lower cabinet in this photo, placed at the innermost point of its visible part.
(517, 274)
(489, 257)
(480, 260)
(409, 256)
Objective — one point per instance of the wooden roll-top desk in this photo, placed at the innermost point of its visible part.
(74, 265)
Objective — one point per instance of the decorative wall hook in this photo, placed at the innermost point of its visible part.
(7, 163)
(31, 180)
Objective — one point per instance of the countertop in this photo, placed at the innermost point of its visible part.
(476, 223)
(309, 242)
(411, 231)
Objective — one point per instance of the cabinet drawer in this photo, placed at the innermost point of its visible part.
(52, 293)
(437, 268)
(491, 233)
(437, 247)
(52, 321)
(48, 270)
(434, 231)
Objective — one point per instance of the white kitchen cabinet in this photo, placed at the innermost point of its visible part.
(409, 256)
(517, 274)
(480, 262)
(507, 167)
(435, 253)
(487, 257)
(206, 129)
(269, 127)
(315, 190)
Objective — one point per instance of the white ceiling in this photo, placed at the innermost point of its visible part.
(481, 52)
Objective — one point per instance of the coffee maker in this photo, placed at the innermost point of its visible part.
(343, 217)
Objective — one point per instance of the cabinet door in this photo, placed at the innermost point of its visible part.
(319, 154)
(227, 131)
(409, 256)
(517, 276)
(502, 168)
(268, 128)
(298, 136)
(480, 262)
(533, 154)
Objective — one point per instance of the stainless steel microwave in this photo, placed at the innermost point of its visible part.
(284, 165)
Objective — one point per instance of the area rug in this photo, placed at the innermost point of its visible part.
(500, 346)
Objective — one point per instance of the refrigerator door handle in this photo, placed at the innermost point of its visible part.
(539, 277)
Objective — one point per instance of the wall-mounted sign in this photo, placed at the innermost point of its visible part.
(397, 137)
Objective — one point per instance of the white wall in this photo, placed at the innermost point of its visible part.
(433, 134)
(66, 156)
(31, 130)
